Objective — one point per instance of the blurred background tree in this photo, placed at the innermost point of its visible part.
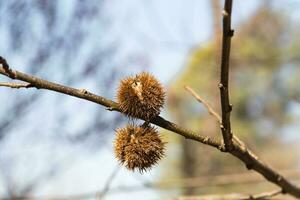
(260, 96)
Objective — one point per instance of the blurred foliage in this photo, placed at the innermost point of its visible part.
(259, 91)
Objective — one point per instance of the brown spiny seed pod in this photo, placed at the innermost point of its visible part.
(141, 96)
(138, 147)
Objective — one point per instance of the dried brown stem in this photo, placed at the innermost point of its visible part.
(16, 85)
(239, 151)
(223, 85)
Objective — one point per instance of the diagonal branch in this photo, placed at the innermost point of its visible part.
(239, 151)
(223, 85)
(110, 105)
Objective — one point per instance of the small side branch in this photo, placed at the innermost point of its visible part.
(225, 105)
(205, 103)
(266, 195)
(212, 112)
(16, 85)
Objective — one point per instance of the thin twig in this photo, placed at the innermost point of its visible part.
(107, 185)
(239, 151)
(223, 85)
(15, 85)
(212, 112)
(205, 103)
(267, 195)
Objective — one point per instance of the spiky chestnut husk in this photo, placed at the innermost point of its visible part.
(141, 96)
(138, 147)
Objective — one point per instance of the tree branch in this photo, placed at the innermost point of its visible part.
(110, 105)
(239, 151)
(223, 85)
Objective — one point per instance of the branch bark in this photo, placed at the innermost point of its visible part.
(239, 151)
(223, 85)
